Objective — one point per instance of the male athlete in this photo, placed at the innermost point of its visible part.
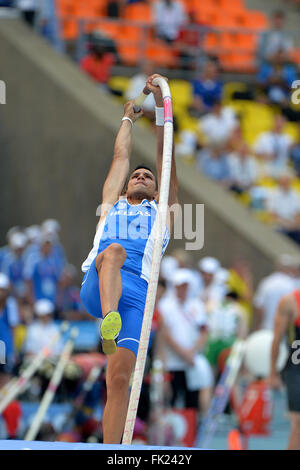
(287, 320)
(118, 267)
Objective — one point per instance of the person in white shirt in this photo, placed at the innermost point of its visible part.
(183, 335)
(217, 126)
(169, 16)
(274, 39)
(270, 290)
(242, 168)
(41, 332)
(272, 148)
(212, 291)
(284, 207)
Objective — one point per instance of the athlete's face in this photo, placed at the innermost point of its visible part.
(141, 184)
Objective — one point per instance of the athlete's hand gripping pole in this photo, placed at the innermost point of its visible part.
(155, 267)
(140, 100)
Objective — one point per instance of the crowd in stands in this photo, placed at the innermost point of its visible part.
(216, 305)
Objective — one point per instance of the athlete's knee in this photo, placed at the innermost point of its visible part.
(117, 381)
(115, 253)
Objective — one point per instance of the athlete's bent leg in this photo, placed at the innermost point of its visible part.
(294, 440)
(119, 368)
(108, 265)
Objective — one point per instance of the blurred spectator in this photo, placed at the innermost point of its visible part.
(211, 293)
(243, 169)
(186, 144)
(68, 300)
(98, 64)
(227, 321)
(114, 8)
(271, 289)
(168, 265)
(274, 39)
(136, 86)
(273, 147)
(51, 228)
(213, 163)
(42, 272)
(275, 78)
(218, 125)
(184, 335)
(42, 331)
(185, 260)
(29, 10)
(188, 43)
(14, 263)
(284, 207)
(5, 250)
(207, 89)
(169, 16)
(9, 319)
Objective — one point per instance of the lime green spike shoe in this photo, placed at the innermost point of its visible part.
(110, 328)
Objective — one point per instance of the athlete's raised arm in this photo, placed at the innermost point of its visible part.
(119, 168)
(160, 142)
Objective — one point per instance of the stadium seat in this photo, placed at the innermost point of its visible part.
(256, 20)
(160, 53)
(129, 54)
(251, 19)
(69, 29)
(182, 93)
(119, 84)
(230, 88)
(295, 56)
(186, 121)
(139, 12)
(232, 5)
(246, 41)
(238, 61)
(84, 9)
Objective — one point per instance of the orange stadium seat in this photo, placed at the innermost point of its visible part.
(246, 41)
(65, 7)
(240, 61)
(232, 5)
(139, 12)
(251, 20)
(257, 20)
(84, 8)
(69, 27)
(295, 56)
(211, 41)
(161, 54)
(129, 54)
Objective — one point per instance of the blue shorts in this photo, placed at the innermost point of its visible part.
(131, 306)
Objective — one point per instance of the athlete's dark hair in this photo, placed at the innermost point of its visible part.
(146, 167)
